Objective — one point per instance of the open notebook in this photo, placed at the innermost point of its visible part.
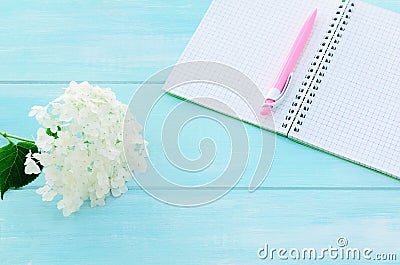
(345, 94)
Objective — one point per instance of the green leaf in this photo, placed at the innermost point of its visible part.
(12, 159)
(50, 133)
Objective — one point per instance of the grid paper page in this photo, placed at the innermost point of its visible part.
(356, 112)
(254, 37)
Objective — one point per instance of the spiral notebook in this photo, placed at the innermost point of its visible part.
(344, 97)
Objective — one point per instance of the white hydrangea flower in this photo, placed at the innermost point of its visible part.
(84, 158)
(44, 141)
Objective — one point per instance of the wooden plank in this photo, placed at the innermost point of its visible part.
(136, 229)
(94, 40)
(294, 165)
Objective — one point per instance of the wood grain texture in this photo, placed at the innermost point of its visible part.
(309, 198)
(98, 40)
(94, 40)
(136, 229)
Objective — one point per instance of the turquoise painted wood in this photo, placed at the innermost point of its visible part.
(134, 229)
(309, 199)
(94, 40)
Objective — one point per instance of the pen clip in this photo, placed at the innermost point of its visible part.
(277, 95)
(285, 88)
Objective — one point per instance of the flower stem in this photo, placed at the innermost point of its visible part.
(8, 136)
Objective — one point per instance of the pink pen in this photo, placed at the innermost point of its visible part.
(282, 81)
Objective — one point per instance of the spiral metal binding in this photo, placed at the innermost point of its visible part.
(304, 98)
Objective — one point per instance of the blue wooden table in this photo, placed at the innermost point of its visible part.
(308, 200)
